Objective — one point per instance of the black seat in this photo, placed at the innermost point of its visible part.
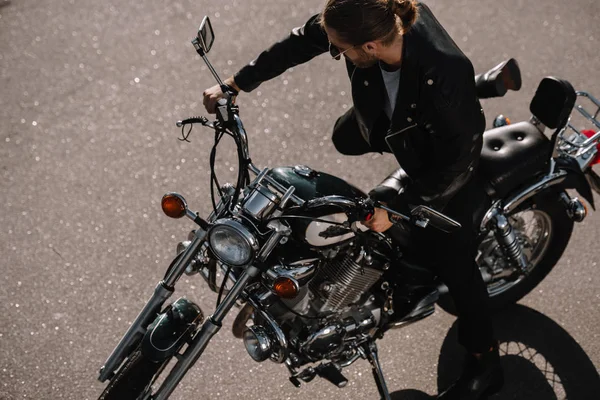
(511, 155)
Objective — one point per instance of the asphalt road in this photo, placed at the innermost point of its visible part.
(89, 94)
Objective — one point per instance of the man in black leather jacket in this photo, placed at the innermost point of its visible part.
(414, 96)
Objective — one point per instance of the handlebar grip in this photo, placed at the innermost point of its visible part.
(365, 209)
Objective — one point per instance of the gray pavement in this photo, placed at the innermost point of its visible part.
(89, 93)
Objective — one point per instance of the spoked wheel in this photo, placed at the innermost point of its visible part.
(544, 230)
(134, 380)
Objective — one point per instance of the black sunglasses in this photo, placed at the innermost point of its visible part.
(336, 53)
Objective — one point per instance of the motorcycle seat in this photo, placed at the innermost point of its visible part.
(511, 155)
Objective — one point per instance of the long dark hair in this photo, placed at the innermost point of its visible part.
(360, 21)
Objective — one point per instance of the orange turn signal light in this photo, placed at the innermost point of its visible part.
(285, 287)
(173, 205)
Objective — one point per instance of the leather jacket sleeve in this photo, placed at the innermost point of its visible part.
(390, 187)
(456, 123)
(303, 44)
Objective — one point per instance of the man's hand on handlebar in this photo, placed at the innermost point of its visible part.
(379, 221)
(213, 94)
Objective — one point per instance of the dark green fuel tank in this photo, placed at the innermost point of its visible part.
(312, 184)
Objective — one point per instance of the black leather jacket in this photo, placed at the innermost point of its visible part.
(437, 125)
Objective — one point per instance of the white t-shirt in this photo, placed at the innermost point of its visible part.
(392, 82)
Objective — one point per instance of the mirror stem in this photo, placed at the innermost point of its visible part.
(202, 54)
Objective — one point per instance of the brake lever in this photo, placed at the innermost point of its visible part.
(395, 215)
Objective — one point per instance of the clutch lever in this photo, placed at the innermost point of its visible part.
(196, 120)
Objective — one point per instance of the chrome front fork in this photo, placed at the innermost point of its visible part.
(163, 291)
(198, 344)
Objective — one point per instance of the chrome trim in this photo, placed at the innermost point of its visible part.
(331, 200)
(574, 207)
(350, 361)
(550, 180)
(302, 273)
(507, 238)
(276, 185)
(261, 336)
(260, 203)
(489, 215)
(303, 170)
(280, 231)
(282, 351)
(586, 114)
(537, 123)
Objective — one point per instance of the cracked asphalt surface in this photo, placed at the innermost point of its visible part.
(89, 95)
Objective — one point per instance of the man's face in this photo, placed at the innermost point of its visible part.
(362, 58)
(355, 54)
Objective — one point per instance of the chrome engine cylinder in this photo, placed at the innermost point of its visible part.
(341, 282)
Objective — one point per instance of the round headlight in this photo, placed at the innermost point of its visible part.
(232, 243)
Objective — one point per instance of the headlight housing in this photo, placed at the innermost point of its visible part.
(232, 243)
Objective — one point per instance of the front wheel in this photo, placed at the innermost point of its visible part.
(134, 379)
(544, 230)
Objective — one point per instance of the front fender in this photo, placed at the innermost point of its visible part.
(171, 329)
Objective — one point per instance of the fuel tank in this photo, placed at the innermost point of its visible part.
(310, 184)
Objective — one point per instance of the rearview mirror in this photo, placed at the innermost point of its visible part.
(206, 35)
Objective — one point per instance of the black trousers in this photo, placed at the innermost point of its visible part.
(450, 256)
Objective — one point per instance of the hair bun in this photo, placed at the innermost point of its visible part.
(405, 9)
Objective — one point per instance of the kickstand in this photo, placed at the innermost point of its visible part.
(370, 350)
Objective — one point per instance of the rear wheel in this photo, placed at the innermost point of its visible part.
(544, 230)
(134, 379)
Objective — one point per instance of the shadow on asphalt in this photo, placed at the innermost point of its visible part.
(541, 360)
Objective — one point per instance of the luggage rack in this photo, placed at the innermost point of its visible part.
(580, 145)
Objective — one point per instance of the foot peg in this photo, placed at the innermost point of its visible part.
(328, 371)
(497, 81)
(331, 372)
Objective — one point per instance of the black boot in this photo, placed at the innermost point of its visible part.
(481, 378)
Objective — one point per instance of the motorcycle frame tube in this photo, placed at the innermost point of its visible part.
(210, 327)
(162, 292)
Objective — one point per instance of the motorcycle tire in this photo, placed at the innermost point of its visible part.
(561, 227)
(134, 379)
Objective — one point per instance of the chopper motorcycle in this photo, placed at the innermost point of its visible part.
(315, 288)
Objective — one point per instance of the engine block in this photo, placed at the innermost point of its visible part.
(341, 282)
